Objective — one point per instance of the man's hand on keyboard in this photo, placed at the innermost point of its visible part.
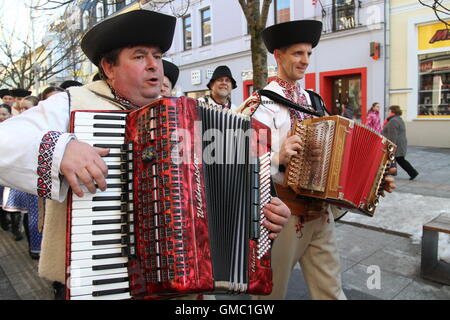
(83, 163)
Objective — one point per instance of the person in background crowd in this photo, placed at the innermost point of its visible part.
(49, 91)
(7, 97)
(347, 109)
(373, 117)
(18, 94)
(395, 130)
(221, 84)
(5, 113)
(70, 83)
(171, 73)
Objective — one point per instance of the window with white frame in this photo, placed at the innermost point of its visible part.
(187, 32)
(205, 16)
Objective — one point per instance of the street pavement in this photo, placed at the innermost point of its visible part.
(365, 251)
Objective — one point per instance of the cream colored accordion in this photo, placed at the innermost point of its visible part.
(353, 161)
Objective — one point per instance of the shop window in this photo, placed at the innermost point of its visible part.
(434, 85)
(197, 94)
(187, 32)
(206, 26)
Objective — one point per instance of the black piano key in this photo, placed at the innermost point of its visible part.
(106, 208)
(110, 221)
(109, 125)
(108, 134)
(109, 292)
(111, 231)
(108, 256)
(108, 117)
(109, 266)
(104, 242)
(109, 281)
(107, 145)
(113, 155)
(114, 167)
(106, 198)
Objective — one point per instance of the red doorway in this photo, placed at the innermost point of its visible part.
(339, 85)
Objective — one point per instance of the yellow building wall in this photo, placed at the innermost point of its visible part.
(420, 132)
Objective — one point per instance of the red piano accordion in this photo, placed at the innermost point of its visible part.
(182, 212)
(353, 161)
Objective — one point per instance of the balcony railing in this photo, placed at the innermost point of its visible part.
(338, 17)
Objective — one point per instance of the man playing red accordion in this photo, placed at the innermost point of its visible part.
(309, 236)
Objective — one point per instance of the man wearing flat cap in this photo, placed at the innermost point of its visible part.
(47, 160)
(6, 96)
(18, 94)
(171, 73)
(309, 236)
(220, 84)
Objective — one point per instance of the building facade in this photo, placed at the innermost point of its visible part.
(214, 32)
(420, 72)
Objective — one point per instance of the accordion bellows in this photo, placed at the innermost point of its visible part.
(353, 161)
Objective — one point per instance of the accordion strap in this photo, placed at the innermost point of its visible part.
(282, 100)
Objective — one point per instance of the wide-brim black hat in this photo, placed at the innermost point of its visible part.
(134, 28)
(20, 92)
(171, 71)
(5, 92)
(285, 34)
(222, 71)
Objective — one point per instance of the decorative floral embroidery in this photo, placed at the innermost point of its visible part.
(45, 158)
(293, 93)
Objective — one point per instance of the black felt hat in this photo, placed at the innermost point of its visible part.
(221, 71)
(5, 92)
(288, 33)
(171, 71)
(70, 83)
(134, 28)
(20, 92)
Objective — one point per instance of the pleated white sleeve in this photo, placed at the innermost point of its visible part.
(32, 145)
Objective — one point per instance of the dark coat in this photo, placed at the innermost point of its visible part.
(395, 131)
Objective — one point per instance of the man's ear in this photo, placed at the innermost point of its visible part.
(107, 68)
(276, 55)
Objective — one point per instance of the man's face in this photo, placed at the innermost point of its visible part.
(9, 100)
(137, 75)
(166, 89)
(221, 87)
(293, 61)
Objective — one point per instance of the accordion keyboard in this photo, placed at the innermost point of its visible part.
(99, 229)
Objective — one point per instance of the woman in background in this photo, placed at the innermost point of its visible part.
(395, 131)
(373, 117)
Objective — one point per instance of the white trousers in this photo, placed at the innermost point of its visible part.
(314, 247)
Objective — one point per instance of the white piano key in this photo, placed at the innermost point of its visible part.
(80, 255)
(90, 136)
(88, 281)
(89, 196)
(78, 291)
(79, 221)
(102, 262)
(90, 228)
(90, 122)
(91, 204)
(81, 246)
(85, 237)
(88, 272)
(83, 213)
(121, 296)
(85, 129)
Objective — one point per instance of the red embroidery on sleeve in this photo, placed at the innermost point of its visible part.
(45, 158)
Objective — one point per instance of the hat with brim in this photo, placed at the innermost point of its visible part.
(20, 93)
(134, 28)
(171, 71)
(221, 71)
(5, 92)
(285, 34)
